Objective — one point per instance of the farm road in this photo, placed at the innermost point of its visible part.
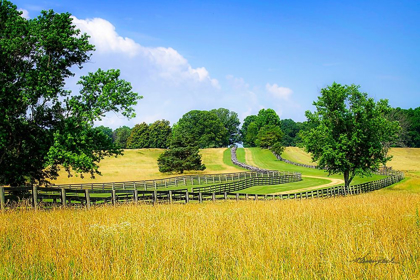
(332, 183)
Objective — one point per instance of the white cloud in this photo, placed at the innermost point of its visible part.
(162, 62)
(279, 92)
(25, 13)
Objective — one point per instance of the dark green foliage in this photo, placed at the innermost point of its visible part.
(268, 136)
(251, 135)
(139, 137)
(253, 124)
(159, 134)
(42, 126)
(414, 127)
(200, 128)
(231, 122)
(267, 117)
(347, 132)
(106, 130)
(277, 148)
(120, 136)
(291, 131)
(244, 129)
(180, 159)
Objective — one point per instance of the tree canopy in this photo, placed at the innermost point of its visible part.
(180, 159)
(231, 122)
(42, 125)
(201, 128)
(120, 136)
(347, 132)
(262, 130)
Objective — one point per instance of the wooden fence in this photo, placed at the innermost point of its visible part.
(382, 171)
(186, 180)
(44, 197)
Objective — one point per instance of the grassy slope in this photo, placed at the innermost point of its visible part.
(298, 155)
(142, 165)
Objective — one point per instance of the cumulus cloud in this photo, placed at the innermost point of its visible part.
(162, 62)
(25, 13)
(279, 92)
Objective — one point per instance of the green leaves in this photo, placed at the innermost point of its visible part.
(348, 131)
(42, 126)
(180, 159)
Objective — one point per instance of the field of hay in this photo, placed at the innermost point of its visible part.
(368, 236)
(141, 164)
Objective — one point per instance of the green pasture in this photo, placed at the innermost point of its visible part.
(263, 158)
(305, 183)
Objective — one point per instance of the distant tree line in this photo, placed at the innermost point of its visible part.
(221, 128)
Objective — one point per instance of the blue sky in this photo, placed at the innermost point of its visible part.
(248, 55)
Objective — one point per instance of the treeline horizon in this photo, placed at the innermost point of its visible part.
(221, 128)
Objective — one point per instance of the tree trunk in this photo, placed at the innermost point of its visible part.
(346, 181)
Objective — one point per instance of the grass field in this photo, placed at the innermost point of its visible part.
(142, 165)
(368, 236)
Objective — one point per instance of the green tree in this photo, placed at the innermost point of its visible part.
(139, 137)
(347, 132)
(42, 125)
(267, 117)
(247, 121)
(106, 130)
(159, 134)
(120, 136)
(231, 122)
(414, 128)
(268, 136)
(180, 159)
(200, 128)
(291, 131)
(251, 135)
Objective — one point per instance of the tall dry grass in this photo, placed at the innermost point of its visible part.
(370, 236)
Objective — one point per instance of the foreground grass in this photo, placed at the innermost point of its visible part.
(141, 164)
(370, 236)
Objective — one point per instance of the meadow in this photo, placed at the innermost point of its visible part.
(141, 164)
(369, 236)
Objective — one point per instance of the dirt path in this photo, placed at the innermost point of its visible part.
(332, 183)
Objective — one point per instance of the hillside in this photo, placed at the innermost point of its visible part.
(141, 164)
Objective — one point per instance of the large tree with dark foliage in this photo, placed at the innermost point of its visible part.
(201, 128)
(180, 159)
(347, 132)
(139, 137)
(159, 134)
(231, 122)
(120, 136)
(42, 125)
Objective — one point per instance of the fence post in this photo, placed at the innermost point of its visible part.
(213, 196)
(2, 198)
(187, 198)
(35, 196)
(87, 197)
(237, 196)
(200, 197)
(63, 197)
(225, 195)
(113, 197)
(154, 197)
(136, 196)
(170, 197)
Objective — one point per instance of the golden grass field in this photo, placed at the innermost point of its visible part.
(141, 164)
(368, 236)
